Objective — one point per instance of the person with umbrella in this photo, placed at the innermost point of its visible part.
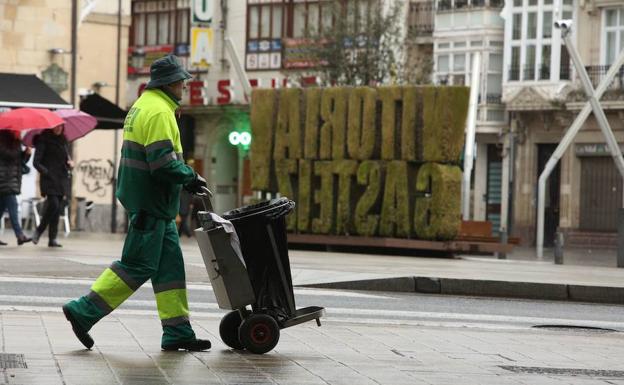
(12, 159)
(11, 123)
(151, 175)
(54, 164)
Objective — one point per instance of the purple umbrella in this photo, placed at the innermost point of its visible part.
(77, 125)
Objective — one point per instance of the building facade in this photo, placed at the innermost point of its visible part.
(543, 93)
(36, 38)
(463, 28)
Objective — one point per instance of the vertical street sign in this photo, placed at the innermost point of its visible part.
(202, 11)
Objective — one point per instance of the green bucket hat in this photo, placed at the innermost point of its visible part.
(166, 70)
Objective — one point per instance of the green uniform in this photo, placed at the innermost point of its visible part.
(151, 175)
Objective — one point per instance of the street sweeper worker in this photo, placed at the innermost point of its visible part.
(151, 175)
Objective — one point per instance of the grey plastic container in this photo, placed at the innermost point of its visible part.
(228, 275)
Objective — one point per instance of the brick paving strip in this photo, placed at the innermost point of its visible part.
(127, 351)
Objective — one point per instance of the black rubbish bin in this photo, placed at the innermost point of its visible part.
(261, 230)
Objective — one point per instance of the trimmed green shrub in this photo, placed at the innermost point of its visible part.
(262, 120)
(324, 197)
(389, 96)
(333, 131)
(284, 169)
(362, 134)
(444, 112)
(345, 169)
(304, 196)
(288, 128)
(369, 175)
(437, 213)
(395, 210)
(312, 97)
(411, 125)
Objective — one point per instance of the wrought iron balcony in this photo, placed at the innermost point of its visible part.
(514, 73)
(446, 5)
(614, 91)
(597, 73)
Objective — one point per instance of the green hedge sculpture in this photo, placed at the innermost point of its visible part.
(437, 213)
(262, 120)
(368, 175)
(362, 137)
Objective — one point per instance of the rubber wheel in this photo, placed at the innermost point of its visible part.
(259, 333)
(228, 330)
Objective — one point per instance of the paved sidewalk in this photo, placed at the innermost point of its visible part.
(127, 352)
(84, 255)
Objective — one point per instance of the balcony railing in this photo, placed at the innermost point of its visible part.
(420, 19)
(493, 98)
(445, 5)
(597, 73)
(544, 72)
(529, 72)
(514, 73)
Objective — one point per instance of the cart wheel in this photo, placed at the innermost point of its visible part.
(228, 330)
(259, 333)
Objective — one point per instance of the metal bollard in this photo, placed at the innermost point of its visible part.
(559, 247)
(620, 239)
(504, 239)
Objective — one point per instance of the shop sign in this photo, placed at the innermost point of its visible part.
(594, 149)
(203, 11)
(141, 58)
(202, 46)
(299, 53)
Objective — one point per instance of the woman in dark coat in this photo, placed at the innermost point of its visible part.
(53, 163)
(11, 158)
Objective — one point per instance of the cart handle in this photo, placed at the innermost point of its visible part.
(205, 195)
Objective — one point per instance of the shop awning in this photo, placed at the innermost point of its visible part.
(107, 113)
(17, 90)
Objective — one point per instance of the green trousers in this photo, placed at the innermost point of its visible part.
(151, 251)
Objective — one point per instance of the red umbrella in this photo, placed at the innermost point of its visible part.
(77, 125)
(21, 119)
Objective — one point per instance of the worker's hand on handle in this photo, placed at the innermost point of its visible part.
(197, 185)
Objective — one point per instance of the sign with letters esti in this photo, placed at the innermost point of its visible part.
(202, 11)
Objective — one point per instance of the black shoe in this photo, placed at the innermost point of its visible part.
(54, 243)
(82, 335)
(195, 345)
(35, 237)
(3, 243)
(23, 239)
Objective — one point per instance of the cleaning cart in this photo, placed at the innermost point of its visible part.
(246, 256)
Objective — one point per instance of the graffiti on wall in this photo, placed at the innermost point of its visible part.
(96, 175)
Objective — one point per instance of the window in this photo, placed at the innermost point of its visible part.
(544, 71)
(532, 26)
(163, 22)
(459, 62)
(613, 34)
(443, 63)
(517, 26)
(564, 69)
(534, 48)
(496, 62)
(514, 70)
(547, 25)
(529, 67)
(299, 20)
